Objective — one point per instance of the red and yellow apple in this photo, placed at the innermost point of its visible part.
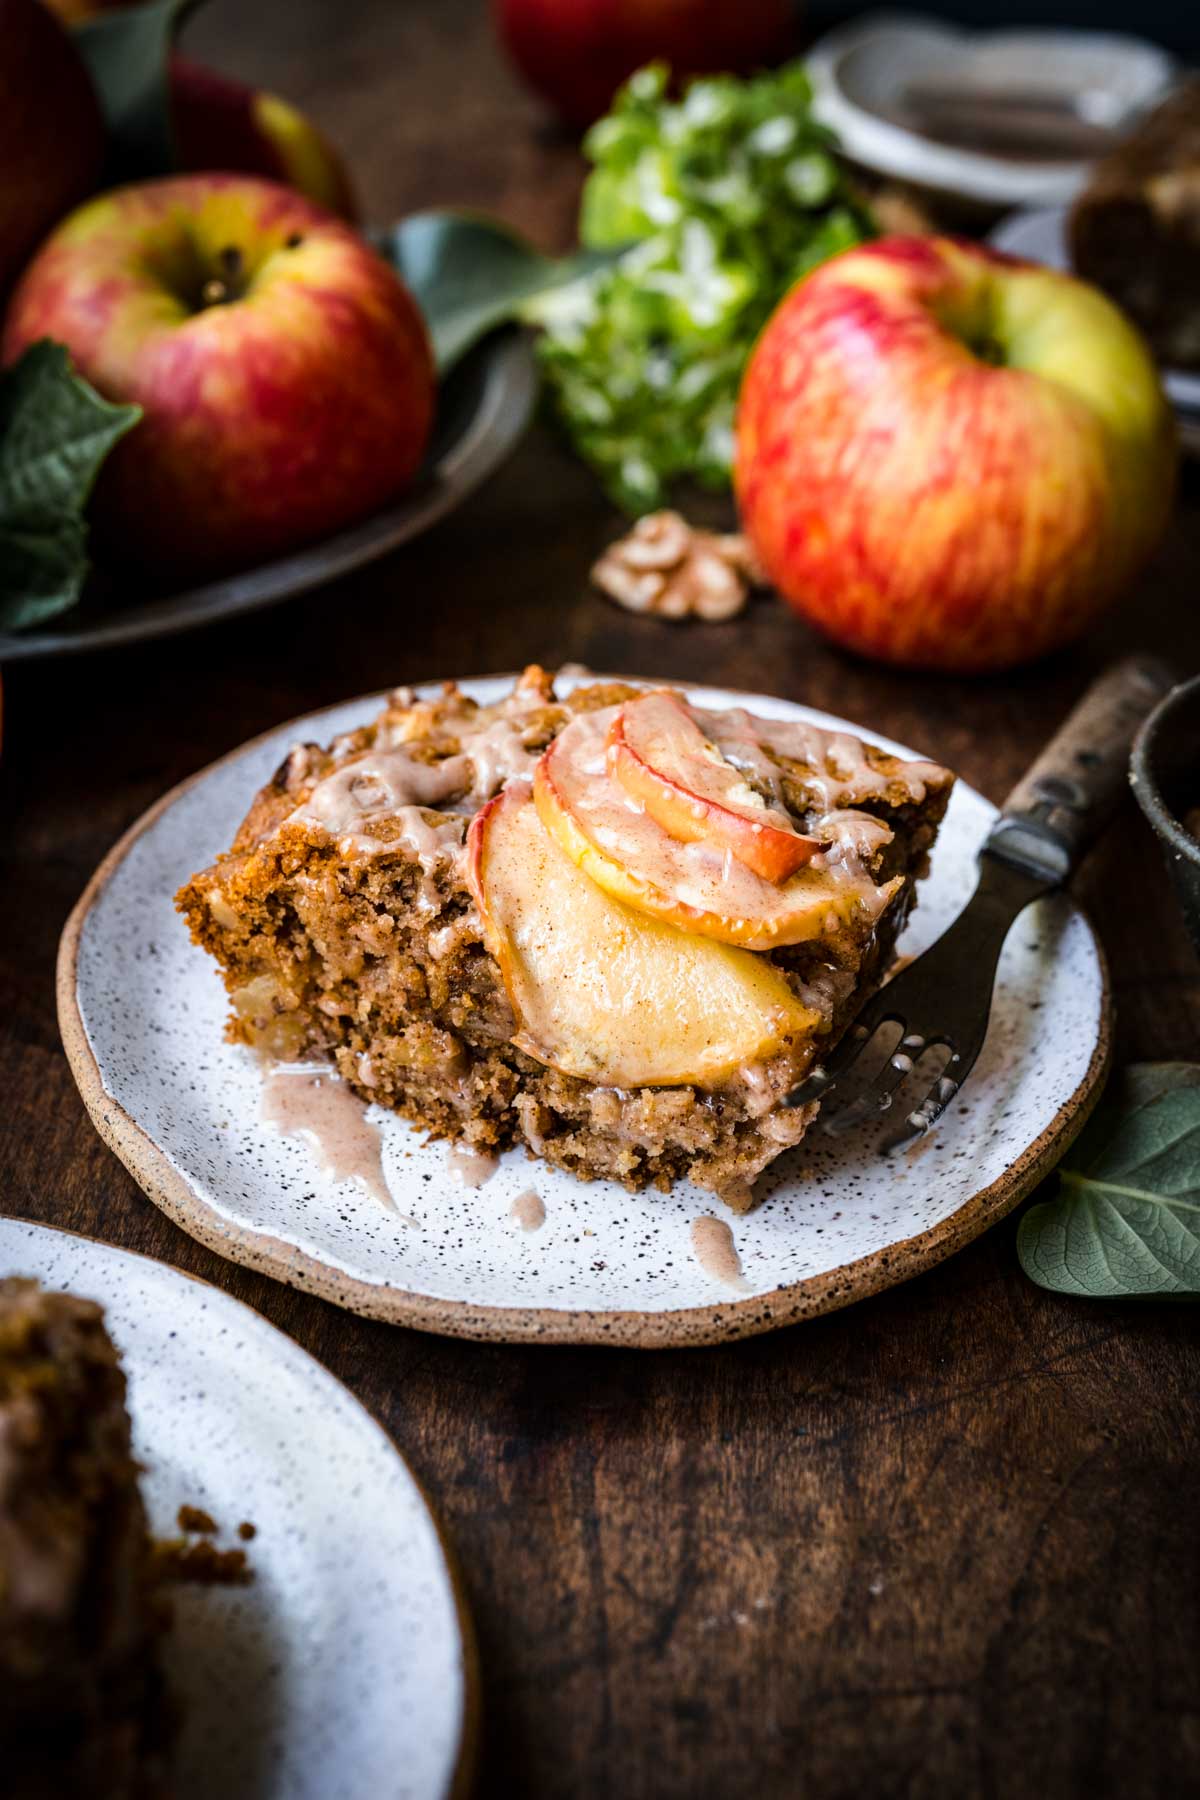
(283, 368)
(948, 458)
(699, 887)
(577, 53)
(220, 123)
(601, 991)
(51, 134)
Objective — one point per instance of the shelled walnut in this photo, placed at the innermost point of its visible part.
(668, 567)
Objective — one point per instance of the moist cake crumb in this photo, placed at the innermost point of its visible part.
(198, 1562)
(194, 1520)
(83, 1705)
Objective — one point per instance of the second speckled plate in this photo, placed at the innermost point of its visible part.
(142, 1013)
(346, 1667)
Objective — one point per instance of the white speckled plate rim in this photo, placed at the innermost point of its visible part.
(348, 1665)
(1049, 1076)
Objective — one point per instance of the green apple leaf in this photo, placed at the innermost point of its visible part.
(470, 274)
(1126, 1219)
(126, 52)
(55, 432)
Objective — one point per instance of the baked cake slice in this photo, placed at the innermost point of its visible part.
(611, 926)
(1135, 228)
(82, 1703)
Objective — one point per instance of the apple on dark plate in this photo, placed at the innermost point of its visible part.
(288, 394)
(283, 369)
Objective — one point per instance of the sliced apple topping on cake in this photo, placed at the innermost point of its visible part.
(660, 756)
(601, 991)
(615, 927)
(700, 885)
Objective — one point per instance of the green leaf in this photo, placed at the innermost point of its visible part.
(1126, 1220)
(470, 274)
(55, 432)
(126, 54)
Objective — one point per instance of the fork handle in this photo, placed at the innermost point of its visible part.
(1064, 801)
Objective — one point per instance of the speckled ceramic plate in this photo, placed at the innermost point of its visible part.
(142, 1013)
(345, 1668)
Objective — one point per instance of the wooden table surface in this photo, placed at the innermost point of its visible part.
(943, 1544)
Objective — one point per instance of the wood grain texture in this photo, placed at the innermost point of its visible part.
(941, 1545)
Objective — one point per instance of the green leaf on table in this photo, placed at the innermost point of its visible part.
(470, 274)
(55, 432)
(126, 53)
(1126, 1220)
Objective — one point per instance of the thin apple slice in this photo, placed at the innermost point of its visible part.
(699, 887)
(600, 990)
(660, 756)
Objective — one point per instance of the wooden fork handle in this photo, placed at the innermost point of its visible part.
(1064, 801)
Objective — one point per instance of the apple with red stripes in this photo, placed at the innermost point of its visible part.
(283, 368)
(950, 459)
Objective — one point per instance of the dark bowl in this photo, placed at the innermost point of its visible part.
(1165, 773)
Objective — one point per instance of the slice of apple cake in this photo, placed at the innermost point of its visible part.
(612, 926)
(84, 1708)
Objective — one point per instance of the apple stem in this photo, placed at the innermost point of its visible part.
(226, 286)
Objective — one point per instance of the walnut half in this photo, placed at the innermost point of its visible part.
(668, 567)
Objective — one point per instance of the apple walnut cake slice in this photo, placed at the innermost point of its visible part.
(614, 927)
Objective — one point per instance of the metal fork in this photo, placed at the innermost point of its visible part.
(944, 998)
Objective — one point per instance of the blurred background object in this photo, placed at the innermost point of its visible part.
(221, 123)
(577, 53)
(1135, 231)
(1166, 784)
(990, 120)
(51, 137)
(1175, 24)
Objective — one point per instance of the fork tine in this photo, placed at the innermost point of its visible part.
(876, 1099)
(925, 1116)
(820, 1079)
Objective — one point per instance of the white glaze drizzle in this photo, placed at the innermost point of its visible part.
(313, 1102)
(473, 1167)
(715, 1251)
(528, 1210)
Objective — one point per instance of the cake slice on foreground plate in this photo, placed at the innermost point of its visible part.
(83, 1709)
(614, 927)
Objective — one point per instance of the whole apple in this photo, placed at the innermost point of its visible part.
(576, 53)
(220, 123)
(948, 458)
(51, 135)
(283, 368)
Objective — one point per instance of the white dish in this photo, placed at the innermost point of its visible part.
(142, 1013)
(1041, 236)
(341, 1670)
(860, 73)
